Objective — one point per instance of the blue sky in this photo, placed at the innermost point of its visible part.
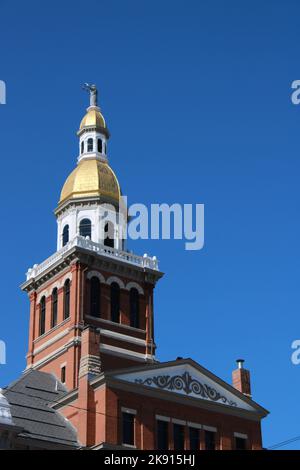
(197, 98)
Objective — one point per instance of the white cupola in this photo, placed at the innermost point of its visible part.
(91, 197)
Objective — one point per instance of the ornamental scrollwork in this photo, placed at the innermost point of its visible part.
(186, 383)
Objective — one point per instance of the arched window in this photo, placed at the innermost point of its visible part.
(90, 145)
(54, 308)
(109, 235)
(99, 143)
(65, 236)
(95, 297)
(115, 302)
(134, 307)
(105, 148)
(85, 228)
(67, 299)
(42, 315)
(82, 146)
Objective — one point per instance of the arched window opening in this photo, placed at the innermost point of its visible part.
(54, 308)
(42, 315)
(99, 143)
(105, 148)
(115, 302)
(95, 297)
(82, 146)
(90, 145)
(134, 307)
(65, 237)
(67, 299)
(85, 228)
(109, 235)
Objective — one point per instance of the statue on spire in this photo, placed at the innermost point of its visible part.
(92, 89)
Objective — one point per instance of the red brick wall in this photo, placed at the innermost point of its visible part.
(79, 308)
(106, 427)
(145, 423)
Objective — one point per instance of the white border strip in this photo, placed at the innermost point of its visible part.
(162, 418)
(209, 428)
(178, 421)
(194, 425)
(122, 352)
(122, 337)
(240, 435)
(50, 341)
(128, 410)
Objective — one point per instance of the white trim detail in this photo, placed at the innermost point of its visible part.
(58, 285)
(162, 418)
(44, 293)
(240, 435)
(55, 353)
(194, 425)
(91, 274)
(135, 285)
(97, 249)
(50, 341)
(122, 337)
(122, 352)
(109, 322)
(179, 421)
(209, 428)
(128, 410)
(61, 283)
(112, 279)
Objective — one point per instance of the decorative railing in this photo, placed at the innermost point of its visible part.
(81, 242)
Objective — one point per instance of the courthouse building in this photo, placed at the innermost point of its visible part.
(93, 379)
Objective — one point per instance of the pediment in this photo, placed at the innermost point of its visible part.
(186, 380)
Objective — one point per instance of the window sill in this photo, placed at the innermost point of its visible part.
(129, 446)
(51, 330)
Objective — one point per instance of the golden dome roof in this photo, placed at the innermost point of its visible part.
(89, 179)
(93, 118)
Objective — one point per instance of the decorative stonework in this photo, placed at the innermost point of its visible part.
(56, 264)
(187, 384)
(90, 365)
(95, 249)
(58, 285)
(134, 285)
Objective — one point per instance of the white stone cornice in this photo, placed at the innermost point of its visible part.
(96, 249)
(122, 337)
(121, 352)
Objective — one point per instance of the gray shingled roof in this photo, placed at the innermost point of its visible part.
(30, 397)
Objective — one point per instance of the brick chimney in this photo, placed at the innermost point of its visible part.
(90, 366)
(241, 378)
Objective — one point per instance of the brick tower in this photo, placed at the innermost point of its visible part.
(91, 363)
(91, 281)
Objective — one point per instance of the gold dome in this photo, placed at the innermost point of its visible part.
(93, 118)
(89, 179)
